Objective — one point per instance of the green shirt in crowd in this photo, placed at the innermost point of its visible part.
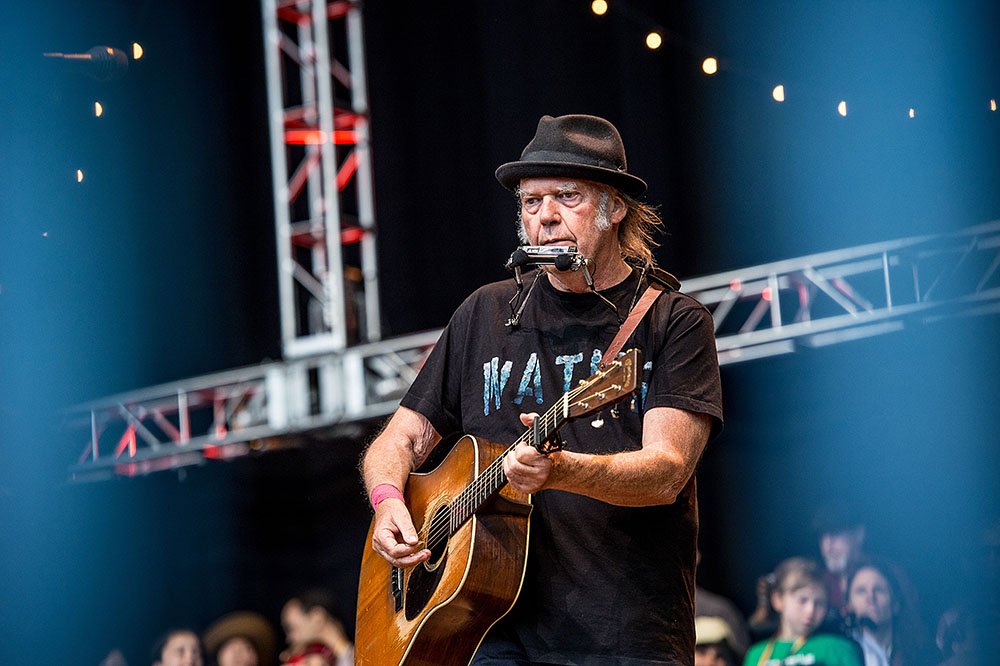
(817, 650)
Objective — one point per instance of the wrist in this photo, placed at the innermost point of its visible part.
(384, 491)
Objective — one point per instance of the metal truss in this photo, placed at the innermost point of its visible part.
(759, 311)
(321, 167)
(233, 413)
(848, 294)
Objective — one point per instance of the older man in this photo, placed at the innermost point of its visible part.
(610, 574)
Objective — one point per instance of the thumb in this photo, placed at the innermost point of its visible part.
(529, 418)
(406, 528)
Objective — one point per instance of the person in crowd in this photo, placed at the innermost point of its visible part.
(710, 604)
(602, 584)
(714, 643)
(969, 638)
(178, 647)
(969, 631)
(841, 535)
(888, 631)
(798, 598)
(241, 639)
(311, 621)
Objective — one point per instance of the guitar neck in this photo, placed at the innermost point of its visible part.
(493, 478)
(612, 384)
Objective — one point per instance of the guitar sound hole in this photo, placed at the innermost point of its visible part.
(424, 579)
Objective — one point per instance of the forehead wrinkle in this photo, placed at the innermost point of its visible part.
(560, 188)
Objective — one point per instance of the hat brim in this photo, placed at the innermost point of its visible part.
(247, 625)
(511, 174)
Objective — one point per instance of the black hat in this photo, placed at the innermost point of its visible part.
(585, 147)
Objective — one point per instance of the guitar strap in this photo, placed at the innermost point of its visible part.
(649, 297)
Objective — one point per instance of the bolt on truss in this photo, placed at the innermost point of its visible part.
(848, 294)
(322, 175)
(759, 311)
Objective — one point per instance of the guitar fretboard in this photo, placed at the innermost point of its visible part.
(493, 479)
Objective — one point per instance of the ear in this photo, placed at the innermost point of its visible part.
(777, 600)
(618, 208)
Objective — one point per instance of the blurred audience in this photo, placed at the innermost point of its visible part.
(714, 643)
(841, 535)
(178, 647)
(114, 658)
(312, 620)
(709, 604)
(887, 628)
(968, 633)
(241, 639)
(798, 597)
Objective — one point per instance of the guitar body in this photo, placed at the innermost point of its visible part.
(437, 612)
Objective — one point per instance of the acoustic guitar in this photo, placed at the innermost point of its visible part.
(476, 527)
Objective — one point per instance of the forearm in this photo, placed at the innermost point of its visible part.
(634, 478)
(386, 461)
(399, 449)
(655, 474)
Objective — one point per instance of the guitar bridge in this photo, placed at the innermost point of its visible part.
(396, 585)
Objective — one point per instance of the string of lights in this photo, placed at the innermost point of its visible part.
(712, 65)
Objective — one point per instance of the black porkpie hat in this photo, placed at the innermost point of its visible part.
(577, 146)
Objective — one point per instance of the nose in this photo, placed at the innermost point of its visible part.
(549, 211)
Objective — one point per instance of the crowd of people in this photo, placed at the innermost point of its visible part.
(846, 608)
(852, 609)
(314, 636)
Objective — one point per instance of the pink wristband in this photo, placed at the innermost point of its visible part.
(384, 491)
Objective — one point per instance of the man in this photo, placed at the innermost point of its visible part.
(311, 620)
(841, 535)
(610, 575)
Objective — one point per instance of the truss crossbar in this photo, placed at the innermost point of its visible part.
(836, 296)
(759, 312)
(230, 413)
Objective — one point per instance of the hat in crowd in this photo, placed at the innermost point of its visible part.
(709, 630)
(243, 624)
(837, 517)
(576, 146)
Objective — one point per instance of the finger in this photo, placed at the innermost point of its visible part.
(528, 455)
(410, 560)
(407, 530)
(400, 518)
(528, 418)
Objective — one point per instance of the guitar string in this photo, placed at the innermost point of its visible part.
(443, 523)
(479, 489)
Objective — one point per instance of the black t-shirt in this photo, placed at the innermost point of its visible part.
(605, 584)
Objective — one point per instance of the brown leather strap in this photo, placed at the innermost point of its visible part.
(652, 292)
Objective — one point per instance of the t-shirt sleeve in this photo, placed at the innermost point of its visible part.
(436, 393)
(685, 372)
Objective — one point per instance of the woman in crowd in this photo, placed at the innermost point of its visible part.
(178, 647)
(888, 632)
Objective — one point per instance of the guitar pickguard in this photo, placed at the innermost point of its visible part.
(425, 576)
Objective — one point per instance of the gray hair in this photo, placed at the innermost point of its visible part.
(635, 232)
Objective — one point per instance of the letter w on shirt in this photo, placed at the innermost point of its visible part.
(494, 380)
